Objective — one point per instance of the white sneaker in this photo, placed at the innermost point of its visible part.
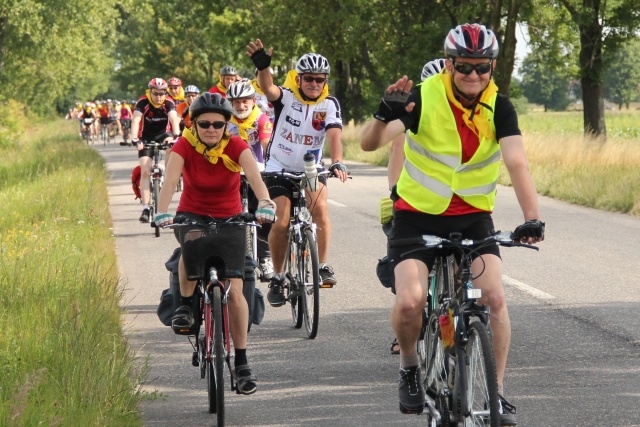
(266, 269)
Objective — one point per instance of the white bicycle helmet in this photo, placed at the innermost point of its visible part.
(240, 89)
(192, 89)
(471, 41)
(432, 68)
(313, 63)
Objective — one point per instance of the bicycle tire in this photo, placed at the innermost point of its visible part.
(292, 284)
(479, 387)
(309, 272)
(434, 368)
(156, 197)
(218, 352)
(206, 368)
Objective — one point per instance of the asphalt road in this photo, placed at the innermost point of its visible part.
(574, 306)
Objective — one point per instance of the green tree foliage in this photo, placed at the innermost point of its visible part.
(622, 77)
(603, 26)
(544, 83)
(55, 52)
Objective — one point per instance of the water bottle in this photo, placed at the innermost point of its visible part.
(310, 171)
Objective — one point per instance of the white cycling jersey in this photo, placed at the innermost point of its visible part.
(263, 104)
(299, 129)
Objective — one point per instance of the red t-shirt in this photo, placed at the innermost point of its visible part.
(470, 144)
(210, 189)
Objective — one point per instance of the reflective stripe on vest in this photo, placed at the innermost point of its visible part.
(437, 149)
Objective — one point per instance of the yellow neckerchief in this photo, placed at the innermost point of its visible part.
(221, 88)
(290, 83)
(479, 123)
(247, 123)
(148, 93)
(211, 153)
(254, 83)
(180, 96)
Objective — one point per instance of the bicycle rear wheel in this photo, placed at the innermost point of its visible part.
(480, 399)
(310, 283)
(292, 287)
(218, 353)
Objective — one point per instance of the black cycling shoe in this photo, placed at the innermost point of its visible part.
(275, 296)
(410, 391)
(328, 276)
(507, 412)
(145, 215)
(182, 320)
(246, 381)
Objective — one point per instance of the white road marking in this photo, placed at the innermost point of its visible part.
(534, 292)
(334, 203)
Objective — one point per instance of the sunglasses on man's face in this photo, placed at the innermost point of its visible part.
(465, 68)
(207, 125)
(318, 80)
(158, 93)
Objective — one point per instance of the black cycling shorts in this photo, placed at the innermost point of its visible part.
(281, 186)
(412, 224)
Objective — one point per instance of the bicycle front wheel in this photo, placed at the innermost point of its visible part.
(481, 394)
(309, 271)
(156, 198)
(292, 280)
(218, 353)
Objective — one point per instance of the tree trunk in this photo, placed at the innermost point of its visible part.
(508, 49)
(591, 66)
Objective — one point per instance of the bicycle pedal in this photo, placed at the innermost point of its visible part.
(194, 359)
(326, 285)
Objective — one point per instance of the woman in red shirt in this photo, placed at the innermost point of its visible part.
(210, 161)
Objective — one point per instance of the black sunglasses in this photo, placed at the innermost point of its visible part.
(465, 68)
(158, 93)
(310, 79)
(207, 125)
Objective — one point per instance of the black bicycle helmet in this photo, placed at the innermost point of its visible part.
(210, 103)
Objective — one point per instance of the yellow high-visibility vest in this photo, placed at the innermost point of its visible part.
(433, 170)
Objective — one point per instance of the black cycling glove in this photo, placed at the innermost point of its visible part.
(261, 59)
(337, 166)
(392, 106)
(533, 228)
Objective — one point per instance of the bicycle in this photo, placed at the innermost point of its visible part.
(301, 265)
(86, 126)
(157, 175)
(212, 254)
(126, 130)
(457, 362)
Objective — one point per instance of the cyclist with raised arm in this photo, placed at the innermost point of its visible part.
(210, 161)
(153, 115)
(254, 127)
(228, 75)
(306, 117)
(457, 128)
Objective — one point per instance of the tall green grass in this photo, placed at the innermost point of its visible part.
(63, 357)
(565, 165)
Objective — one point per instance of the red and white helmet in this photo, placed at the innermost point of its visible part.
(157, 83)
(471, 41)
(174, 81)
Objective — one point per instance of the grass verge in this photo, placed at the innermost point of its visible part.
(63, 356)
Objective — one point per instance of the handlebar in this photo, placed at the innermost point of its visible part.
(159, 141)
(244, 218)
(502, 238)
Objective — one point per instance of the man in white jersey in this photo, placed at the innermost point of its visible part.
(305, 118)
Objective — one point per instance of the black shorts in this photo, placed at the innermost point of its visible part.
(104, 120)
(281, 186)
(411, 224)
(145, 152)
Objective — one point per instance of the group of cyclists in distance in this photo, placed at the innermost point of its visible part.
(448, 134)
